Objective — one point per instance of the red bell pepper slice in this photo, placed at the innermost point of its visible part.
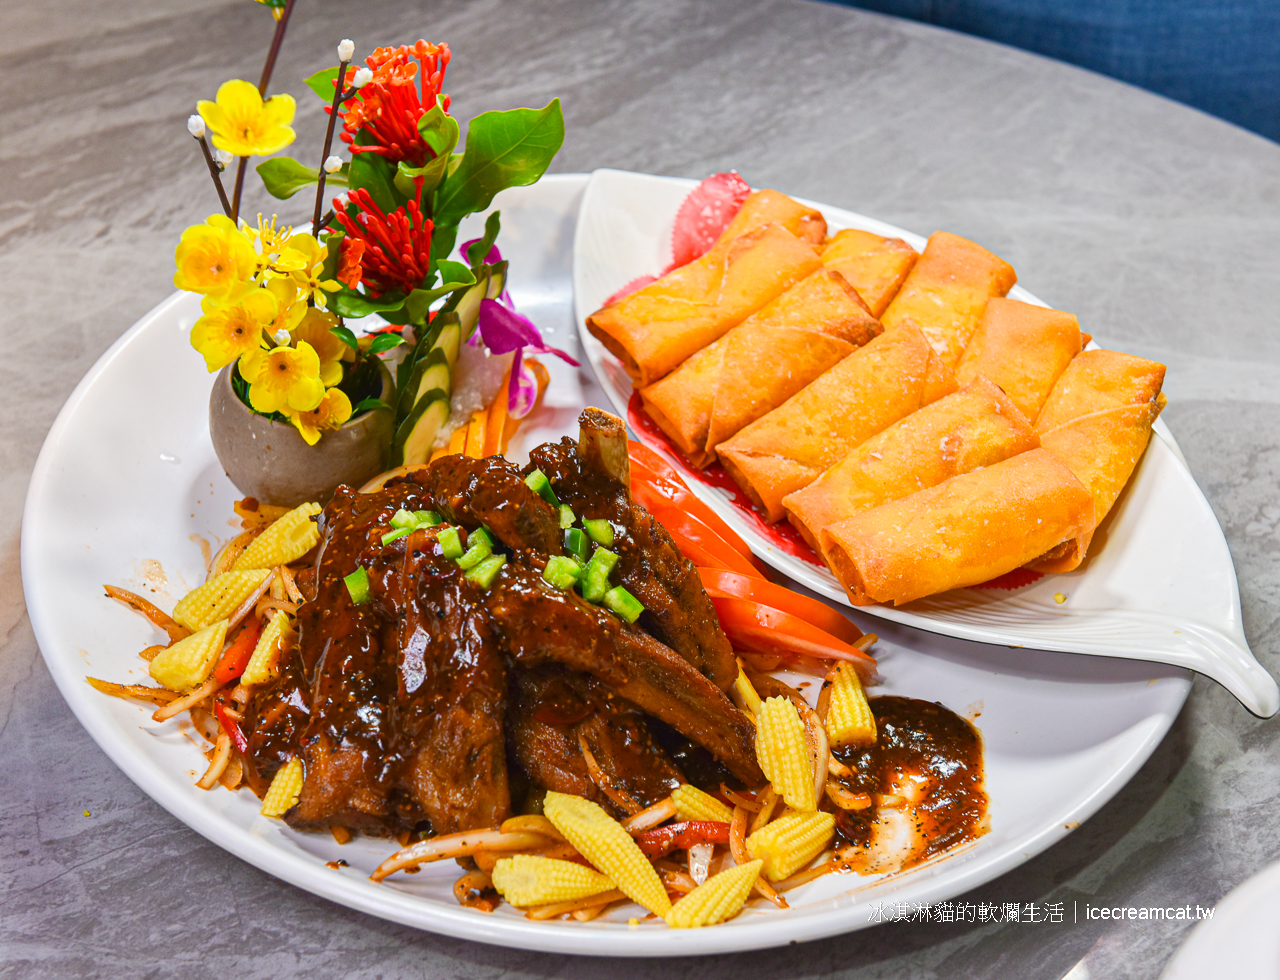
(231, 728)
(655, 491)
(722, 584)
(763, 629)
(661, 841)
(236, 659)
(701, 545)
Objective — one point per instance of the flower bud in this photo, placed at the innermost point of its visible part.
(333, 165)
(282, 337)
(223, 158)
(195, 125)
(340, 201)
(346, 48)
(362, 78)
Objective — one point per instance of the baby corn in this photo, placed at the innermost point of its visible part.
(218, 598)
(693, 804)
(283, 792)
(716, 899)
(603, 842)
(189, 662)
(791, 842)
(747, 697)
(530, 880)
(263, 666)
(849, 717)
(286, 540)
(784, 753)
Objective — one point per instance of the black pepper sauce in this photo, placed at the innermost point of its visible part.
(932, 758)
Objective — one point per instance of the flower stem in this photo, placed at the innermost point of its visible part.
(215, 174)
(235, 196)
(328, 142)
(276, 41)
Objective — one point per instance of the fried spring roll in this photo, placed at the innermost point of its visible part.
(765, 206)
(759, 364)
(656, 328)
(874, 265)
(867, 392)
(1098, 421)
(968, 530)
(947, 290)
(1023, 349)
(977, 426)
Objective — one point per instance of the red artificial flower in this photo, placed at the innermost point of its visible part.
(395, 249)
(389, 106)
(350, 268)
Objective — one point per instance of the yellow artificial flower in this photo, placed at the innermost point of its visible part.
(244, 124)
(283, 379)
(316, 329)
(304, 258)
(333, 410)
(230, 329)
(214, 258)
(290, 309)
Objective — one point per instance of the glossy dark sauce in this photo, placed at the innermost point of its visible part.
(932, 754)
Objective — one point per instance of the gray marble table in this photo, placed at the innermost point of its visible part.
(1157, 225)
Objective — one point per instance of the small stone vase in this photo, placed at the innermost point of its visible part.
(271, 461)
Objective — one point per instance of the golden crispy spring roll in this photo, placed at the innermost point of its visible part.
(654, 329)
(968, 530)
(947, 290)
(1098, 421)
(760, 363)
(874, 265)
(867, 392)
(977, 426)
(764, 207)
(1023, 349)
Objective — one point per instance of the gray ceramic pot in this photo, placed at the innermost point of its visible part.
(272, 462)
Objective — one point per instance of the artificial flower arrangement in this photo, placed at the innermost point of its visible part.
(277, 301)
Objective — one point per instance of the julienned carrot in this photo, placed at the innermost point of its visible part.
(473, 445)
(723, 584)
(752, 626)
(495, 425)
(236, 657)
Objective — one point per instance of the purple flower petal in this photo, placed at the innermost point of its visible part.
(504, 330)
(493, 258)
(522, 392)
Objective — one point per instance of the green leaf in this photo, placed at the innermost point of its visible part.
(373, 173)
(457, 276)
(322, 83)
(347, 302)
(504, 149)
(440, 132)
(369, 405)
(346, 336)
(479, 251)
(385, 342)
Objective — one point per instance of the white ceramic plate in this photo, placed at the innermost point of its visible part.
(127, 484)
(1162, 589)
(1239, 940)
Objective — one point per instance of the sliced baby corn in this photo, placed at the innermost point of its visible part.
(287, 540)
(784, 753)
(693, 804)
(264, 663)
(716, 899)
(283, 792)
(189, 662)
(218, 598)
(528, 879)
(745, 692)
(849, 717)
(791, 842)
(603, 842)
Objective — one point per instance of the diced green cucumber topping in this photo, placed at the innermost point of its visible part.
(537, 482)
(562, 572)
(577, 543)
(396, 535)
(484, 573)
(450, 543)
(567, 516)
(483, 533)
(601, 531)
(406, 522)
(596, 582)
(358, 586)
(623, 603)
(477, 551)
